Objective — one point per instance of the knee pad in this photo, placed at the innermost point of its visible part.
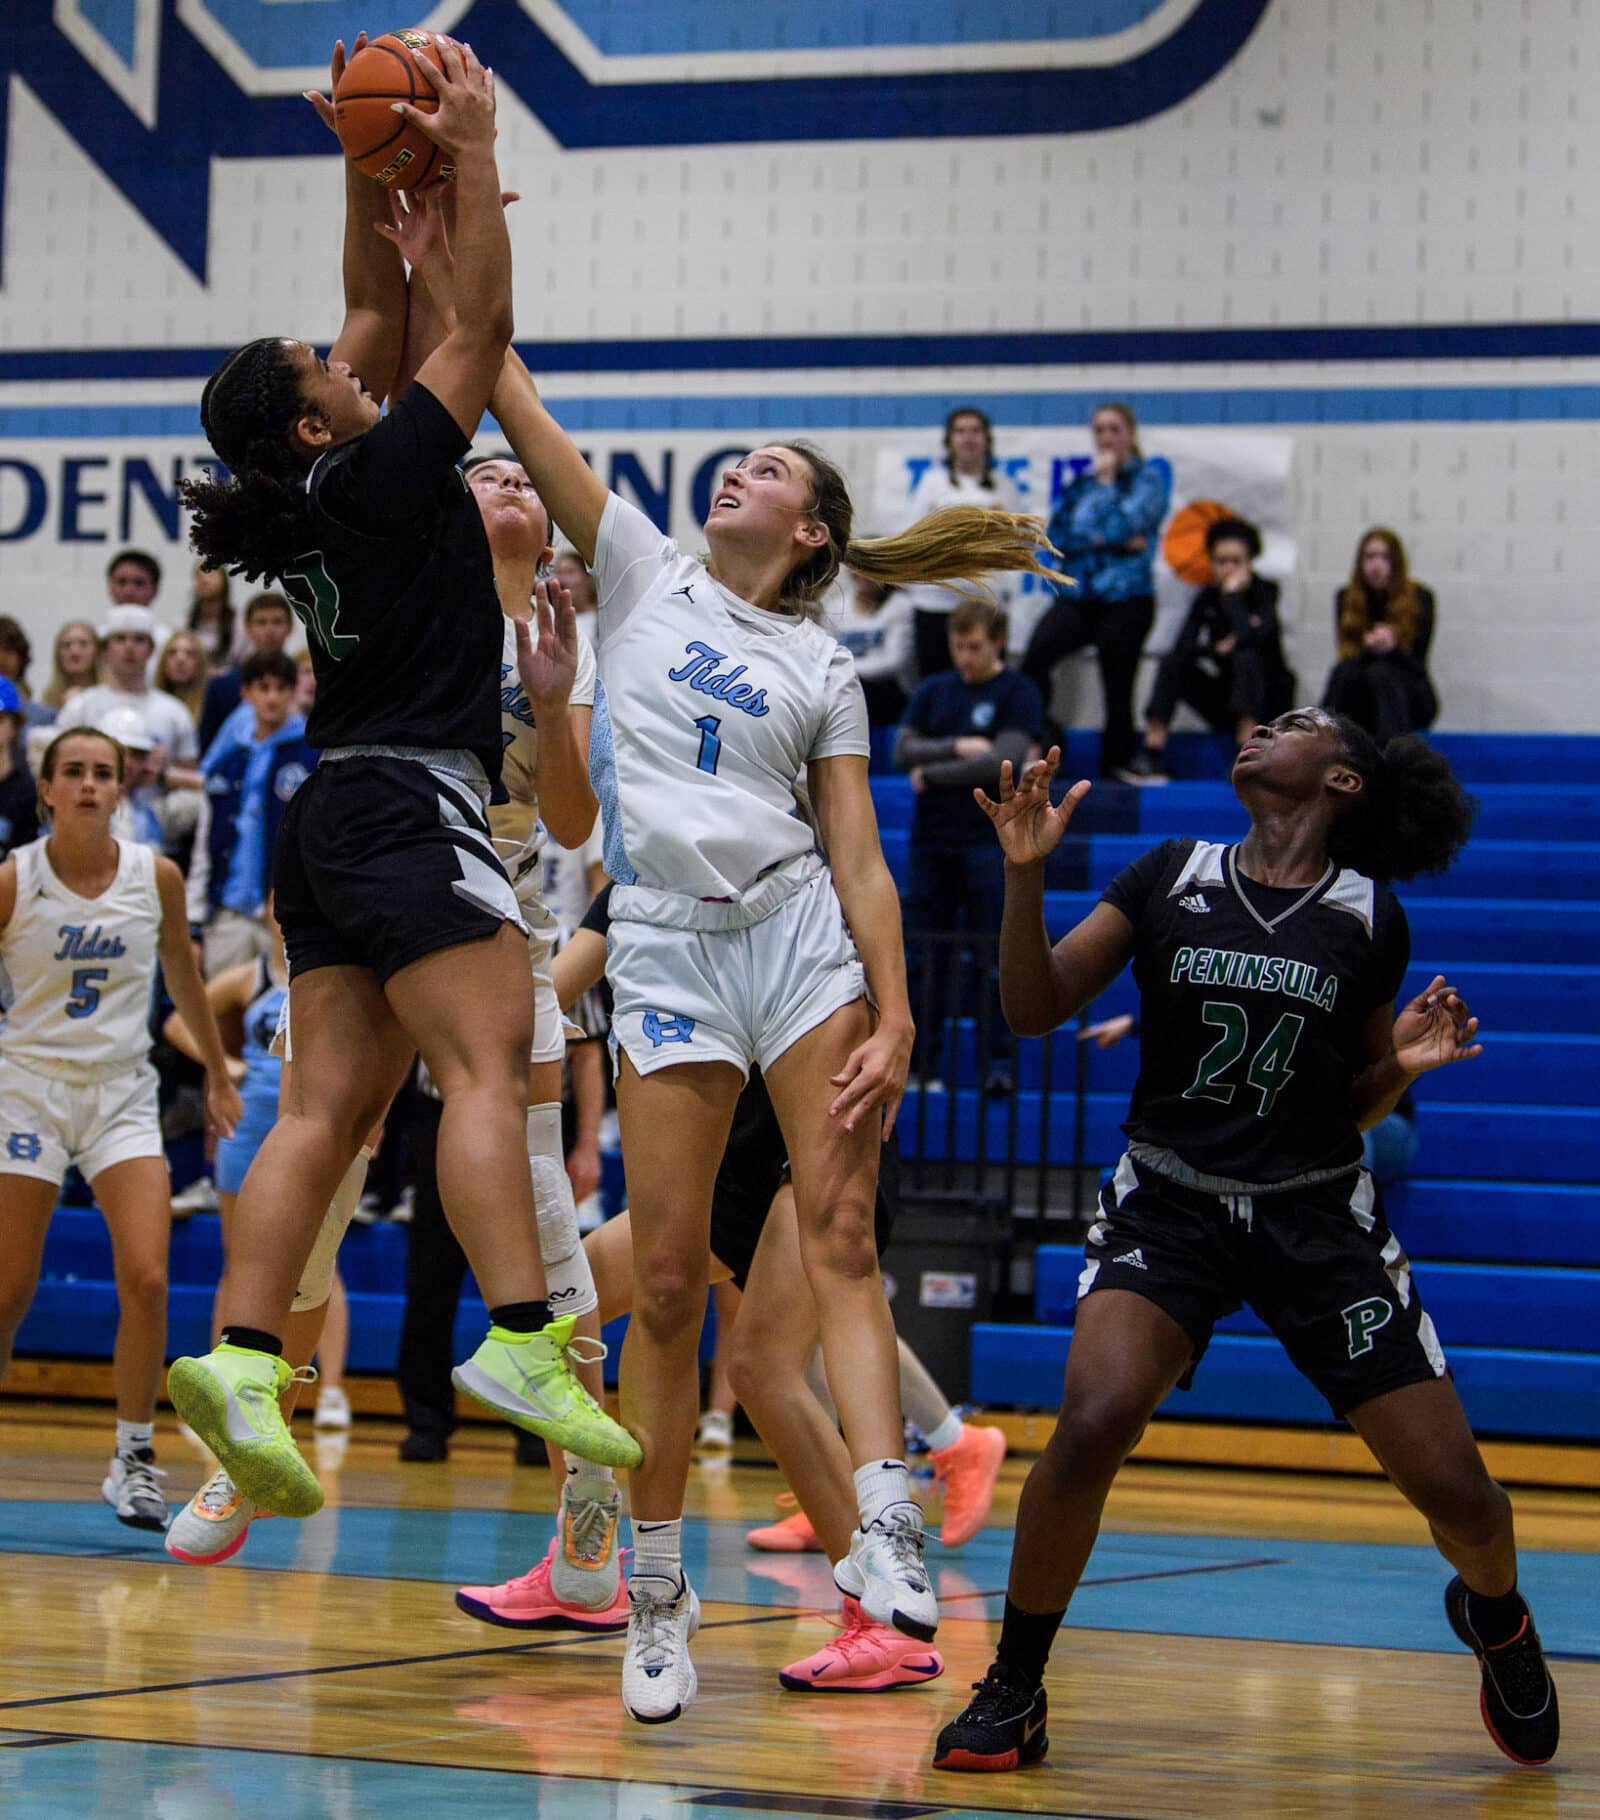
(316, 1280)
(569, 1282)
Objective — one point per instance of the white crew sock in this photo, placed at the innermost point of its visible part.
(134, 1437)
(586, 1480)
(879, 1484)
(658, 1551)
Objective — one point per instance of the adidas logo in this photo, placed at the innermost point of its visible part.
(1196, 902)
(1134, 1257)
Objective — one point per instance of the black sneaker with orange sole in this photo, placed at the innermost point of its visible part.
(1002, 1727)
(1518, 1701)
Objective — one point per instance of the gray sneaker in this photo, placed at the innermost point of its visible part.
(586, 1568)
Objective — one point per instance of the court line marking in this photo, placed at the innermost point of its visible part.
(567, 1640)
(537, 1775)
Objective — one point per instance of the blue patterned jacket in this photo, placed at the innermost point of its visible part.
(1091, 522)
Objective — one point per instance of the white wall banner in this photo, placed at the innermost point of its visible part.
(1214, 473)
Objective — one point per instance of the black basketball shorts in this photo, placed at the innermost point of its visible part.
(754, 1167)
(1319, 1265)
(381, 861)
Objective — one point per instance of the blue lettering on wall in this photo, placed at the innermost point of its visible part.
(706, 477)
(35, 502)
(74, 498)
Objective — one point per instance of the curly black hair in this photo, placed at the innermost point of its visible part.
(253, 523)
(1411, 816)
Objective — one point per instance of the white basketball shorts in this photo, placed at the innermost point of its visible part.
(732, 995)
(47, 1124)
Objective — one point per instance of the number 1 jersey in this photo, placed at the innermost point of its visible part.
(1252, 1004)
(716, 707)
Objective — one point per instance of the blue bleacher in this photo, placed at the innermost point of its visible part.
(1500, 1219)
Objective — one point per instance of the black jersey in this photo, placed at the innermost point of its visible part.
(397, 591)
(1252, 1002)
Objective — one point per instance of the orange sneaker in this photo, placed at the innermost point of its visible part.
(968, 1470)
(865, 1658)
(791, 1535)
(529, 1603)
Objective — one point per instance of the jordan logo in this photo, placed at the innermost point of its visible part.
(687, 591)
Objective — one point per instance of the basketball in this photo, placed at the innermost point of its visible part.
(1184, 542)
(379, 142)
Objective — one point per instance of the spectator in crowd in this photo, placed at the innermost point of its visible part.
(74, 664)
(141, 813)
(16, 652)
(181, 672)
(1105, 527)
(127, 641)
(876, 631)
(133, 578)
(19, 796)
(1227, 660)
(249, 780)
(268, 621)
(574, 576)
(966, 477)
(958, 729)
(305, 688)
(211, 616)
(1383, 625)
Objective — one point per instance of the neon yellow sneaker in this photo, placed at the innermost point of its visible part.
(528, 1379)
(230, 1399)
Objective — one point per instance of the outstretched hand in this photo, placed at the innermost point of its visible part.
(547, 647)
(1028, 827)
(324, 103)
(1435, 1029)
(464, 120)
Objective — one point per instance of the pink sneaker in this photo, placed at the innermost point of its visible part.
(529, 1603)
(968, 1470)
(865, 1658)
(791, 1535)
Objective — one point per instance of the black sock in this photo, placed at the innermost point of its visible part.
(254, 1338)
(1025, 1640)
(1496, 1621)
(521, 1317)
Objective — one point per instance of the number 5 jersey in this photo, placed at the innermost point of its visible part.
(1253, 1001)
(78, 970)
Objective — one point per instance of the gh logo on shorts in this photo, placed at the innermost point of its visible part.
(1363, 1319)
(661, 1029)
(24, 1146)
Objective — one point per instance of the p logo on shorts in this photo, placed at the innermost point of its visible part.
(661, 1029)
(1363, 1319)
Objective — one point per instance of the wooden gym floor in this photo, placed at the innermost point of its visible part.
(1247, 1643)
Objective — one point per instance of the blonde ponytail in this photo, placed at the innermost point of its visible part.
(958, 543)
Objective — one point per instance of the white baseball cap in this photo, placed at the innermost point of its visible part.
(130, 619)
(126, 726)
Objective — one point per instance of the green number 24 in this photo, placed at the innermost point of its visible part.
(1269, 1069)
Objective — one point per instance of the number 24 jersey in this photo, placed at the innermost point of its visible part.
(1252, 1004)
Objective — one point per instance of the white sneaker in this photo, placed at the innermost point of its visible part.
(212, 1525)
(884, 1570)
(199, 1197)
(715, 1433)
(658, 1679)
(333, 1408)
(586, 1568)
(131, 1489)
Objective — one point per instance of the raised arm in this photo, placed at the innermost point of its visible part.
(374, 278)
(1040, 986)
(462, 370)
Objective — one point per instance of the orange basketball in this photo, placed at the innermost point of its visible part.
(378, 141)
(1183, 544)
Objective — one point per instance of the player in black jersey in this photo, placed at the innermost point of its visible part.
(1267, 974)
(402, 929)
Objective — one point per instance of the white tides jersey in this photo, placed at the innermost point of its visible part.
(514, 824)
(79, 970)
(716, 707)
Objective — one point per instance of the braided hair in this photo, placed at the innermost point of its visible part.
(1411, 814)
(253, 523)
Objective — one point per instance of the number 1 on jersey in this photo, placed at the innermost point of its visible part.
(710, 744)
